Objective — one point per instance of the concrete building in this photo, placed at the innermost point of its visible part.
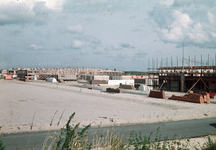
(185, 79)
(67, 73)
(4, 72)
(152, 83)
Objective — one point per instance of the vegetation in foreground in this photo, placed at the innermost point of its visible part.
(209, 145)
(72, 139)
(2, 147)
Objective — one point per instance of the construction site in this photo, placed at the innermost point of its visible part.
(44, 98)
(190, 76)
(91, 76)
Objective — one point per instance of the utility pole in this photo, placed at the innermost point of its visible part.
(183, 58)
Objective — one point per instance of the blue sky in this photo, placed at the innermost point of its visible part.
(105, 33)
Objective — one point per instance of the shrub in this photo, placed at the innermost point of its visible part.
(209, 145)
(71, 139)
(2, 147)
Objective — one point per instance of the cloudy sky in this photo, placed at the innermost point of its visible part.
(105, 33)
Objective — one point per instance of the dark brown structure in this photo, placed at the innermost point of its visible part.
(112, 90)
(98, 82)
(157, 94)
(201, 98)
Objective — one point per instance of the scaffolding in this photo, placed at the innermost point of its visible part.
(192, 75)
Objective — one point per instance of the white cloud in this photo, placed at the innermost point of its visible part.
(185, 22)
(54, 4)
(75, 29)
(211, 17)
(51, 4)
(183, 27)
(76, 44)
(99, 51)
(26, 11)
(35, 47)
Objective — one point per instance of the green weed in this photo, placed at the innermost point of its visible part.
(2, 147)
(209, 145)
(71, 138)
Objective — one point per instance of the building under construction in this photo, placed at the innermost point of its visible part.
(191, 76)
(63, 73)
(196, 78)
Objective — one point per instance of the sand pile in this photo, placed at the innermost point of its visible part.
(39, 106)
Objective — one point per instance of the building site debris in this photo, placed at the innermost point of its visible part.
(117, 90)
(143, 87)
(67, 77)
(98, 82)
(46, 76)
(51, 80)
(125, 86)
(8, 77)
(157, 94)
(206, 97)
(24, 79)
(202, 97)
(61, 81)
(212, 95)
(34, 78)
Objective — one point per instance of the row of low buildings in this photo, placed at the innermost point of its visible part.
(94, 76)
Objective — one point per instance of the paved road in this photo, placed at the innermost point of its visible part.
(183, 129)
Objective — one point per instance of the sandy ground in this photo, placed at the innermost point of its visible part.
(38, 106)
(193, 142)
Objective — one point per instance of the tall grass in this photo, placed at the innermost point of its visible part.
(73, 139)
(209, 145)
(70, 139)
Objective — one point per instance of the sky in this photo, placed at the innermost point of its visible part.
(129, 35)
